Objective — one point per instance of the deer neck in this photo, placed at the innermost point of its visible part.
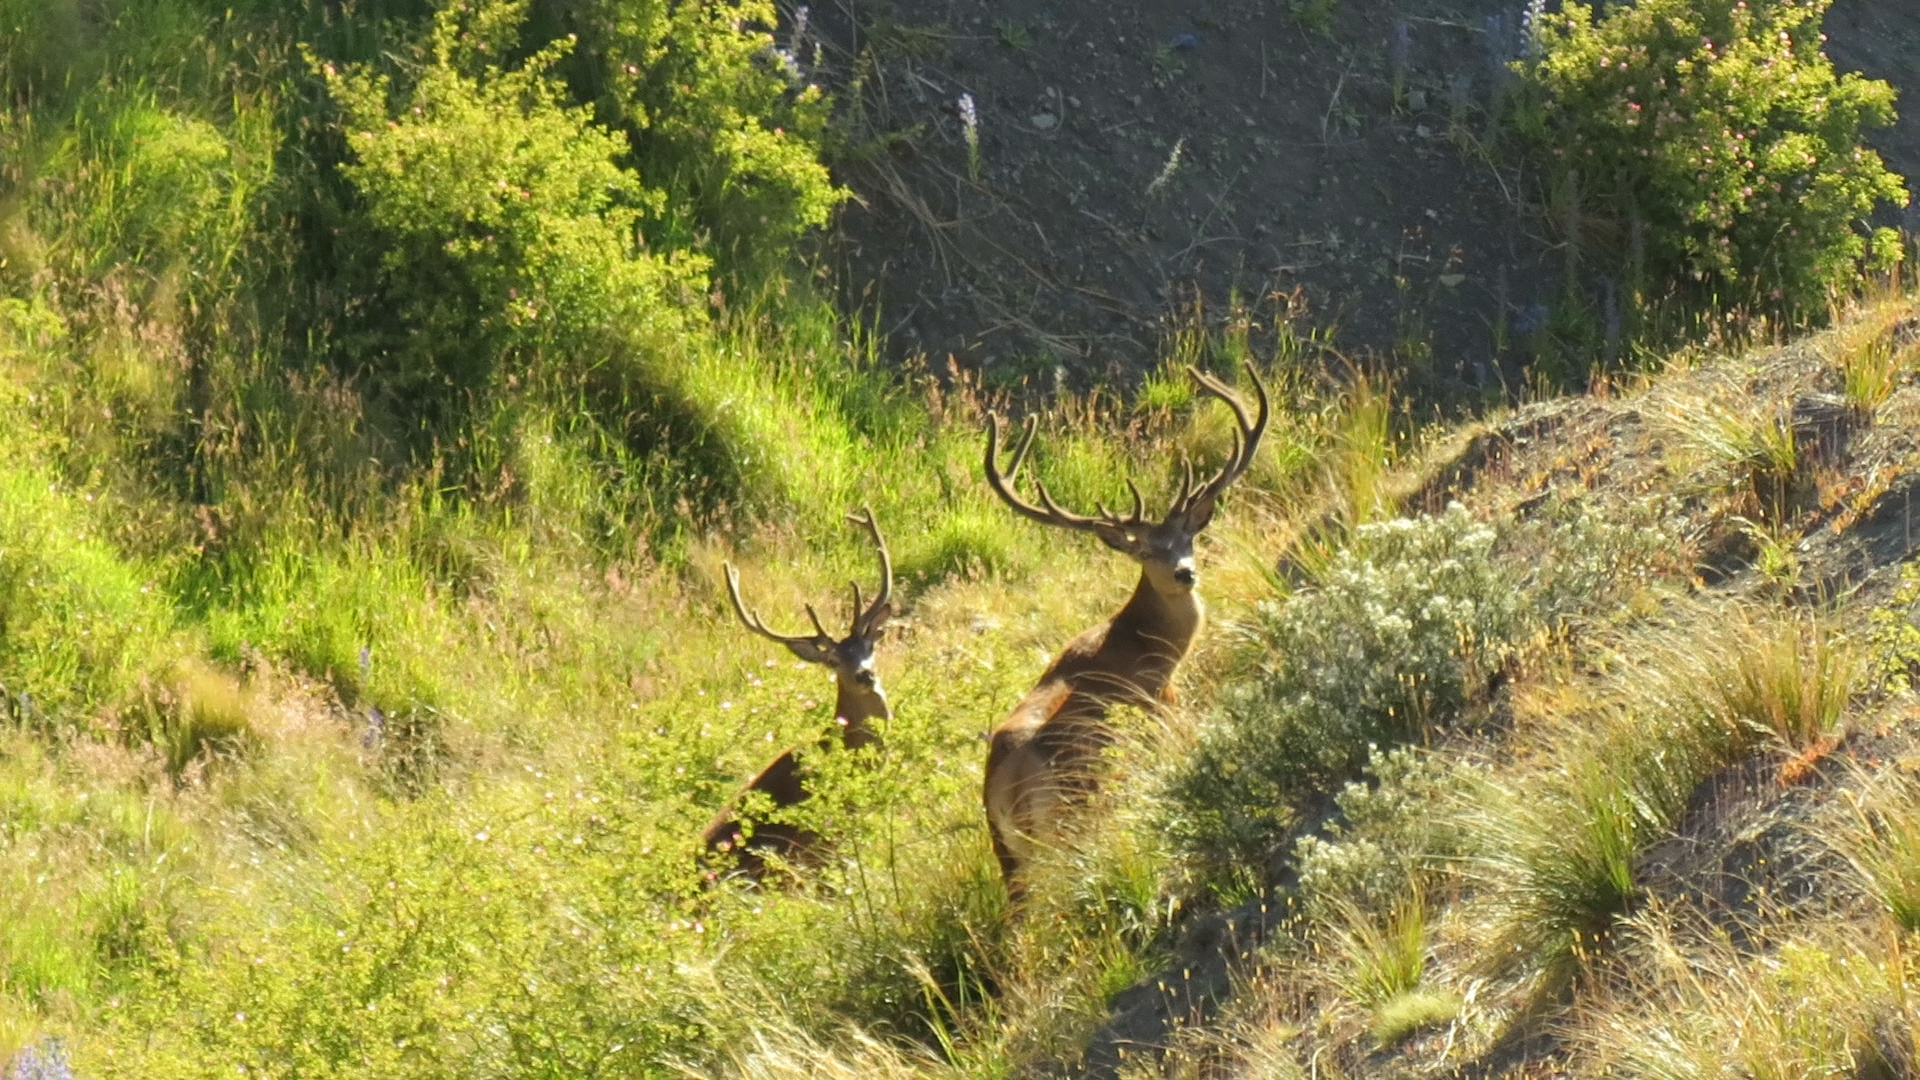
(855, 708)
(1169, 621)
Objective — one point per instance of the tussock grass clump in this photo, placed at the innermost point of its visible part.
(1555, 853)
(1752, 451)
(1557, 847)
(1880, 838)
(1784, 679)
(1866, 348)
(1379, 958)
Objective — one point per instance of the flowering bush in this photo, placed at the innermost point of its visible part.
(1712, 145)
(1396, 637)
(1384, 830)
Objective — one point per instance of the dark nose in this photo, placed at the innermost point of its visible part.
(1184, 575)
(865, 677)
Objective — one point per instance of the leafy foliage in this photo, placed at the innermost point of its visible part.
(1711, 147)
(508, 225)
(725, 127)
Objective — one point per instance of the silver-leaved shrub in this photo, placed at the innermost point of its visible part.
(1396, 638)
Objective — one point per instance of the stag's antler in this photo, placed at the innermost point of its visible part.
(819, 639)
(1108, 524)
(1192, 503)
(867, 620)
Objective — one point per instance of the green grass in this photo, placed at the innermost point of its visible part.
(1384, 959)
(1404, 1015)
(367, 667)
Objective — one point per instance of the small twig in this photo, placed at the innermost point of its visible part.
(1218, 199)
(1334, 102)
(903, 319)
(1043, 236)
(1263, 71)
(1183, 252)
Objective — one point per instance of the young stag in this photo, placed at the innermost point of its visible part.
(1042, 753)
(859, 704)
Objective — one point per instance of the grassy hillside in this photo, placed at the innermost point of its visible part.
(382, 388)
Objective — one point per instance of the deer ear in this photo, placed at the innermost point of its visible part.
(878, 623)
(808, 650)
(1120, 540)
(1201, 516)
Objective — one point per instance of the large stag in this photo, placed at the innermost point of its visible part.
(1043, 751)
(859, 704)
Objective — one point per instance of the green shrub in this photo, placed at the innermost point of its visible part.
(1893, 637)
(728, 127)
(1391, 643)
(509, 226)
(1710, 147)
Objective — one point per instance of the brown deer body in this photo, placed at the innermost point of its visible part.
(858, 705)
(1042, 754)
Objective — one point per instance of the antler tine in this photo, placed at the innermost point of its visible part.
(1246, 436)
(1048, 512)
(863, 615)
(751, 620)
(815, 617)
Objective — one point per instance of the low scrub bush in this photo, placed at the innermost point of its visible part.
(1400, 631)
(1385, 833)
(1709, 149)
(1581, 563)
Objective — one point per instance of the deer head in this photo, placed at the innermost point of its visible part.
(850, 658)
(1164, 549)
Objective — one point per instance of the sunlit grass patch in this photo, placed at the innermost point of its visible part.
(1402, 1016)
(1558, 846)
(1880, 838)
(1802, 1002)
